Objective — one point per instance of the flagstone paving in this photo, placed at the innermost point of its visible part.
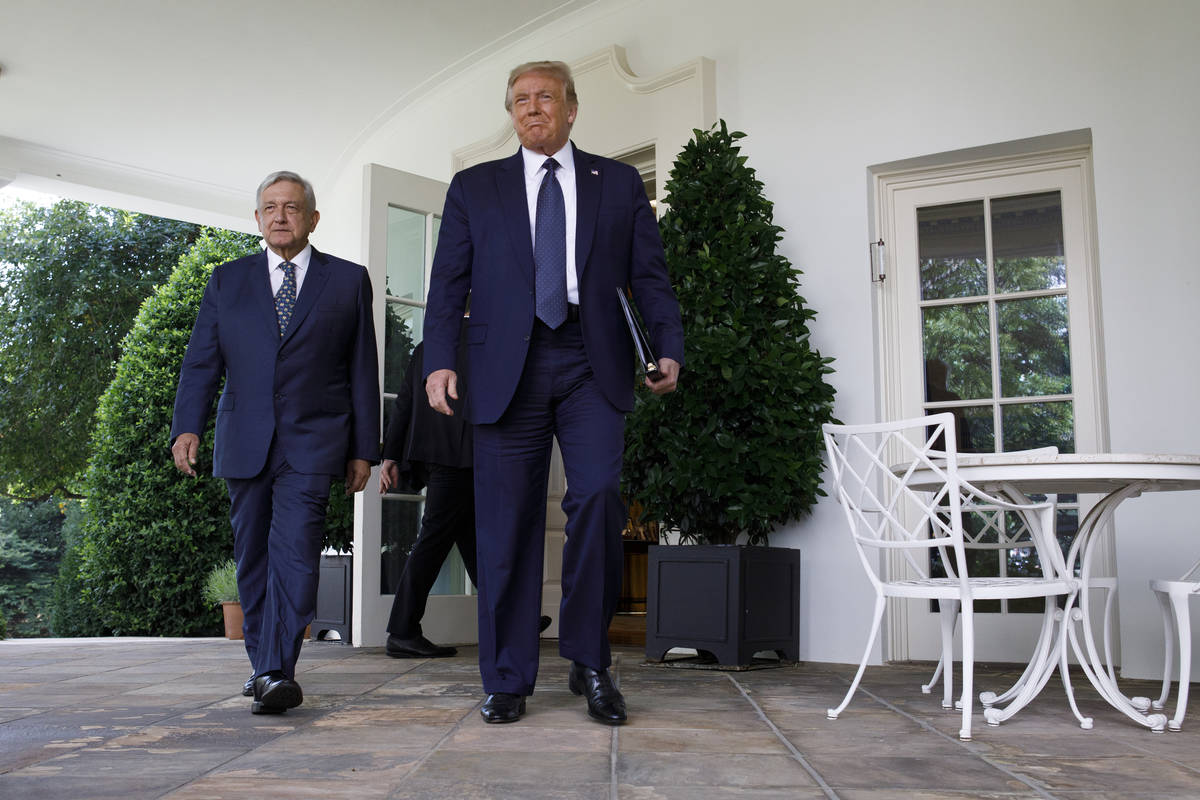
(151, 718)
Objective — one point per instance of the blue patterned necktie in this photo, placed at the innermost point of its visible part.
(285, 298)
(550, 250)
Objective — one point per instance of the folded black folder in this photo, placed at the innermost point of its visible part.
(641, 342)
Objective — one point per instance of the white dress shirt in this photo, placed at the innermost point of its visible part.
(565, 174)
(276, 272)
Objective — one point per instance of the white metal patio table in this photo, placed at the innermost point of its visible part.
(1117, 477)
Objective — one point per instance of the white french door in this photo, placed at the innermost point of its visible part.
(989, 310)
(402, 222)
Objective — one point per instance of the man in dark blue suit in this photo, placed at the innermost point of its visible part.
(541, 241)
(291, 332)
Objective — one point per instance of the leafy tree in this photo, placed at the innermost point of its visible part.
(150, 534)
(71, 279)
(738, 449)
(70, 612)
(30, 546)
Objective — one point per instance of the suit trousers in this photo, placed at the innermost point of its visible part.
(278, 520)
(557, 398)
(448, 519)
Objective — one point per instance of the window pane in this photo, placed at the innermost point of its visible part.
(1035, 357)
(1030, 425)
(398, 531)
(452, 578)
(952, 250)
(1027, 242)
(958, 353)
(406, 254)
(401, 332)
(974, 428)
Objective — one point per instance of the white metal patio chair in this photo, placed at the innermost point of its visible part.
(874, 469)
(1173, 596)
(1002, 533)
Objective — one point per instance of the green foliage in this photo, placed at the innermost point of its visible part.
(70, 612)
(737, 450)
(151, 535)
(30, 546)
(221, 584)
(71, 279)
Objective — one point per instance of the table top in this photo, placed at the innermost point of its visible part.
(1079, 473)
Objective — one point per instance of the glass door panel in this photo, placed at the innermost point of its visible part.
(995, 328)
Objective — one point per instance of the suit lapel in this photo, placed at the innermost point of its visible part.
(510, 184)
(588, 181)
(259, 281)
(314, 282)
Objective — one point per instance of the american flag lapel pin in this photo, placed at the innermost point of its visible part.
(595, 172)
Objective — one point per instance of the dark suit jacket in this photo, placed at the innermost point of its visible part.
(485, 248)
(418, 436)
(316, 390)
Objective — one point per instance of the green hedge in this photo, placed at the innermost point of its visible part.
(150, 534)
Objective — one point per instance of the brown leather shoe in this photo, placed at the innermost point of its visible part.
(605, 704)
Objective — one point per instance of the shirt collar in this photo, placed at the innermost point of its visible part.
(534, 161)
(301, 260)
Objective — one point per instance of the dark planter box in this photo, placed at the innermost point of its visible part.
(334, 598)
(731, 601)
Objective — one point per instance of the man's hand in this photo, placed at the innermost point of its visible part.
(438, 385)
(357, 472)
(670, 376)
(389, 475)
(184, 450)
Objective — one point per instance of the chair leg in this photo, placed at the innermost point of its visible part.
(1183, 627)
(880, 603)
(948, 613)
(968, 667)
(1164, 605)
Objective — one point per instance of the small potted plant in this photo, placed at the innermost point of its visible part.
(221, 587)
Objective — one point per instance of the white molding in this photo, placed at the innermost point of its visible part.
(99, 180)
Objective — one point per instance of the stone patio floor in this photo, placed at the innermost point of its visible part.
(150, 718)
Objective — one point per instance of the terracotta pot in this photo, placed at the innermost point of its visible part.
(233, 619)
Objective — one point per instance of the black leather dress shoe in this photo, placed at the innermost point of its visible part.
(605, 704)
(543, 623)
(419, 647)
(275, 694)
(248, 687)
(502, 707)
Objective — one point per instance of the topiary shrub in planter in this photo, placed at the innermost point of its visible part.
(737, 451)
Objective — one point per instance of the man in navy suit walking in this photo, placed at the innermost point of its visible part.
(291, 332)
(541, 241)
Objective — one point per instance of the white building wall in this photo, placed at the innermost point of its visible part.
(826, 89)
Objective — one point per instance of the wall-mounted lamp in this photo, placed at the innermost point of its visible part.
(877, 255)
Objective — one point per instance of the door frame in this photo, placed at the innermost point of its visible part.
(900, 389)
(448, 618)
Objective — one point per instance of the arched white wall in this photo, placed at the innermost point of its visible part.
(826, 89)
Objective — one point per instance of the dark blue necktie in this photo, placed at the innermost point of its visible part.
(550, 250)
(285, 298)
